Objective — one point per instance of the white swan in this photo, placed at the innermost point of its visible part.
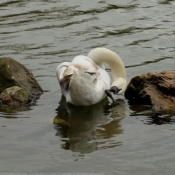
(84, 81)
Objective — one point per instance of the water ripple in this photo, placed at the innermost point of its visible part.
(105, 9)
(150, 62)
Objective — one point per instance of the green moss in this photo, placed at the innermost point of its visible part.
(5, 78)
(13, 73)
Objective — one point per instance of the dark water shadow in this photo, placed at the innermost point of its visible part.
(11, 112)
(87, 129)
(105, 9)
(165, 2)
(152, 117)
(149, 62)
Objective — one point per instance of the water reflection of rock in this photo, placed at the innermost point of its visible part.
(152, 117)
(86, 129)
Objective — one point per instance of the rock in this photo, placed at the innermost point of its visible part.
(13, 73)
(155, 89)
(15, 96)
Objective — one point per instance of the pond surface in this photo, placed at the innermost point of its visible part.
(99, 139)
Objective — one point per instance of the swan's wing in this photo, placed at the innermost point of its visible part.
(85, 64)
(60, 70)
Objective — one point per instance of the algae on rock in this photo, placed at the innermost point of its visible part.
(155, 89)
(15, 96)
(18, 86)
(13, 73)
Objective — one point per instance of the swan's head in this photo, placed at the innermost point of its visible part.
(118, 86)
(66, 77)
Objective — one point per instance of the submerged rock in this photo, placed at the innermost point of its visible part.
(13, 73)
(155, 89)
(15, 96)
(18, 86)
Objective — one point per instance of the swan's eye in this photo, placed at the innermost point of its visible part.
(91, 73)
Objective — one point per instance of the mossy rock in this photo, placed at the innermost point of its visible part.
(13, 73)
(154, 89)
(15, 96)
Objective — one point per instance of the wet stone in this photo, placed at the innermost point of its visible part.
(154, 89)
(15, 96)
(13, 73)
(18, 86)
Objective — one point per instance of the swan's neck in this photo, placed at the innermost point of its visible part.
(102, 55)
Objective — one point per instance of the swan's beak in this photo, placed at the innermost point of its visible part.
(114, 90)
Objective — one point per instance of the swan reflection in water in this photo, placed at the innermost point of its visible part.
(87, 129)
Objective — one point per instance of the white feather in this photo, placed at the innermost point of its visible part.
(84, 80)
